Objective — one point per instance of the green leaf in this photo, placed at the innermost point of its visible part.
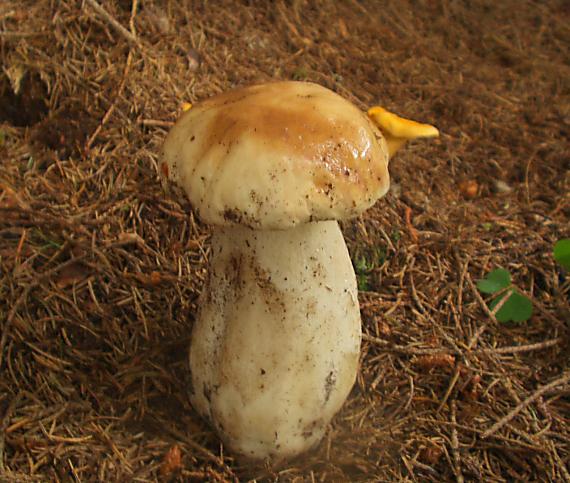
(517, 308)
(562, 252)
(361, 265)
(362, 282)
(494, 281)
(300, 74)
(379, 256)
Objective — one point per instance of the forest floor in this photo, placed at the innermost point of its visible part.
(100, 269)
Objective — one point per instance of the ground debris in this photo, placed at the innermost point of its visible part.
(101, 266)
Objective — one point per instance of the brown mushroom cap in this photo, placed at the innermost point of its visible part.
(275, 155)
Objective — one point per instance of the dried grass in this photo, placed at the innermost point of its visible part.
(100, 269)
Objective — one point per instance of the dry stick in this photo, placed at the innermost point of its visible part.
(109, 112)
(415, 296)
(282, 11)
(524, 348)
(561, 466)
(4, 424)
(455, 444)
(131, 35)
(491, 314)
(196, 446)
(475, 338)
(450, 388)
(542, 309)
(472, 342)
(539, 392)
(24, 295)
(500, 350)
(155, 122)
(461, 282)
(10, 317)
(116, 25)
(20, 35)
(134, 8)
(413, 232)
(405, 350)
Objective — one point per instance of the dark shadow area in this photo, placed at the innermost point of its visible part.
(28, 106)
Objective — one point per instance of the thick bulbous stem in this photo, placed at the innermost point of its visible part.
(275, 348)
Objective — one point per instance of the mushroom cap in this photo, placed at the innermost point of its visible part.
(275, 155)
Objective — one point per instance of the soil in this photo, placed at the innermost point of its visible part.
(101, 265)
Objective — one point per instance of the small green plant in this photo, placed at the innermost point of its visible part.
(364, 262)
(300, 74)
(395, 235)
(517, 307)
(46, 240)
(562, 252)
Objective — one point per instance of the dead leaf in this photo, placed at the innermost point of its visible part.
(10, 198)
(10, 202)
(383, 328)
(154, 279)
(500, 186)
(469, 188)
(128, 238)
(193, 60)
(472, 390)
(439, 361)
(73, 273)
(15, 74)
(431, 455)
(413, 232)
(172, 461)
(342, 28)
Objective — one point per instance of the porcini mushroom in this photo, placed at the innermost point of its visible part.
(276, 343)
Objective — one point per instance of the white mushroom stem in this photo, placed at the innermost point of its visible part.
(275, 348)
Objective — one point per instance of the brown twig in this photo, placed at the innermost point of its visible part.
(450, 388)
(542, 309)
(22, 298)
(387, 346)
(415, 296)
(529, 400)
(480, 299)
(455, 444)
(132, 39)
(411, 229)
(491, 313)
(561, 465)
(155, 122)
(20, 35)
(4, 424)
(472, 342)
(523, 348)
(111, 109)
(134, 8)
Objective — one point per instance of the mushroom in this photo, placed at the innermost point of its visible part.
(275, 346)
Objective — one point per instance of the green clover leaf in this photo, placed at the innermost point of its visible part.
(517, 308)
(494, 281)
(562, 252)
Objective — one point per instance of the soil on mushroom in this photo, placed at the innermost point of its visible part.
(100, 269)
